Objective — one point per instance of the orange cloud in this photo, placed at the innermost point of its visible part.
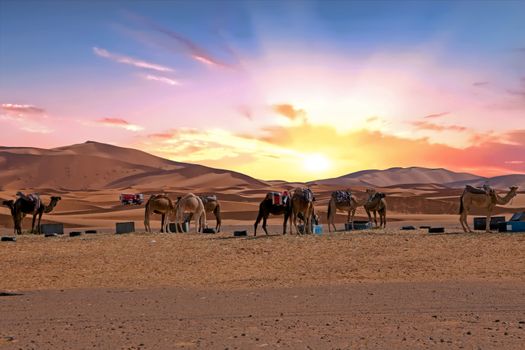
(289, 111)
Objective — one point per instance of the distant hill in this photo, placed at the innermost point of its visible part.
(93, 165)
(400, 176)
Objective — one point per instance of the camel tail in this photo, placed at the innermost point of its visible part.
(146, 215)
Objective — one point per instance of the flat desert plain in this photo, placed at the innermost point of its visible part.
(371, 289)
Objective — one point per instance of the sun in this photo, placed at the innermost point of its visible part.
(316, 163)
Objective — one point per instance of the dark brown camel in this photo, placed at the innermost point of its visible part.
(11, 205)
(267, 207)
(25, 205)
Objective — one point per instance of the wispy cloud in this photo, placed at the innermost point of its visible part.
(28, 118)
(23, 109)
(119, 123)
(437, 115)
(424, 125)
(130, 60)
(192, 49)
(162, 79)
(480, 83)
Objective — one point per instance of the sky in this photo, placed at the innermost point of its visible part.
(289, 90)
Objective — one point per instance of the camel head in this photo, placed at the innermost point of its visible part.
(513, 190)
(10, 204)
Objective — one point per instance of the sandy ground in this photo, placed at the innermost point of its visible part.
(369, 289)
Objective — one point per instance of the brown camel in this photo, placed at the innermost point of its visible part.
(158, 204)
(484, 199)
(212, 205)
(344, 201)
(302, 203)
(31, 204)
(267, 207)
(376, 203)
(193, 205)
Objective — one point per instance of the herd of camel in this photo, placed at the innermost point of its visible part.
(294, 206)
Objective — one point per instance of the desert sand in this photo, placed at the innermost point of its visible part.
(367, 289)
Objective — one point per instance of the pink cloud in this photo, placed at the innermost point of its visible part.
(22, 109)
(119, 123)
(130, 60)
(437, 115)
(424, 125)
(161, 79)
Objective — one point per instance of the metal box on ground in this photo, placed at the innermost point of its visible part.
(75, 233)
(52, 228)
(240, 233)
(480, 223)
(124, 227)
(358, 225)
(407, 228)
(516, 226)
(436, 230)
(8, 239)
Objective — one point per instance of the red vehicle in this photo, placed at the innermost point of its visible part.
(130, 198)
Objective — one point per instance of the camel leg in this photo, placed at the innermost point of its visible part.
(33, 224)
(465, 217)
(259, 217)
(375, 218)
(264, 224)
(38, 229)
(286, 216)
(487, 228)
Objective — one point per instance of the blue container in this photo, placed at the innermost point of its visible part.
(318, 229)
(516, 226)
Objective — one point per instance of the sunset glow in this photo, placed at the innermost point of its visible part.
(277, 90)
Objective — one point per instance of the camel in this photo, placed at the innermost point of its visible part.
(347, 202)
(11, 205)
(211, 205)
(193, 205)
(31, 204)
(302, 203)
(158, 204)
(267, 207)
(376, 203)
(488, 199)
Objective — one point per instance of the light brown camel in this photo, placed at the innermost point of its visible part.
(344, 201)
(158, 204)
(487, 201)
(376, 203)
(302, 203)
(193, 205)
(31, 204)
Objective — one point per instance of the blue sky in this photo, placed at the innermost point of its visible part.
(125, 71)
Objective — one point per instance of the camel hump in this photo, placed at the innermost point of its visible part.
(209, 198)
(474, 190)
